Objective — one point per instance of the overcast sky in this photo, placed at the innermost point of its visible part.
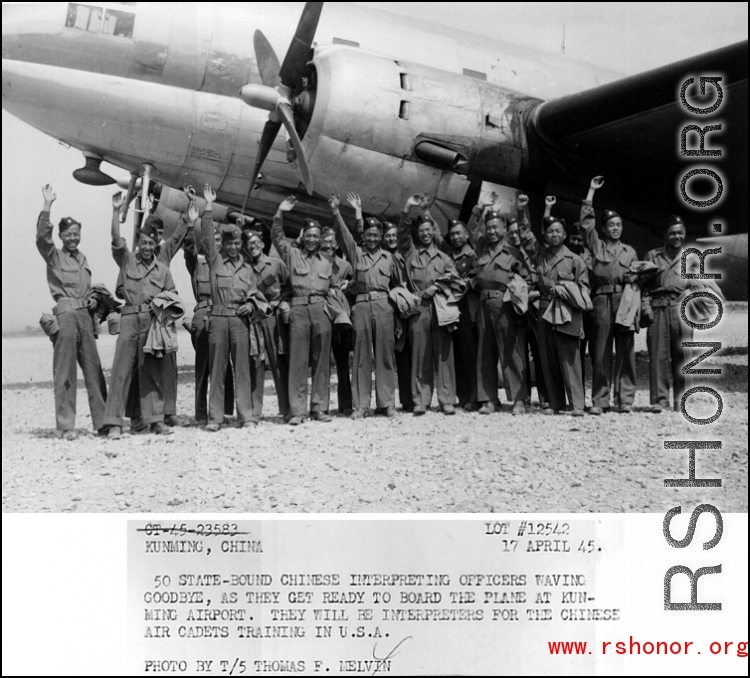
(627, 37)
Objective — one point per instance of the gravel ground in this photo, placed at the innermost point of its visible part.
(466, 463)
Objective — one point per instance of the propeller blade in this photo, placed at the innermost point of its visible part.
(268, 62)
(299, 49)
(284, 111)
(270, 130)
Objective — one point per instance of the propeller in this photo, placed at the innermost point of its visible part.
(280, 85)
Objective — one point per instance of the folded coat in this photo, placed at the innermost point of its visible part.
(451, 288)
(167, 308)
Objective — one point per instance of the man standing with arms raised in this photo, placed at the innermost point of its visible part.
(69, 279)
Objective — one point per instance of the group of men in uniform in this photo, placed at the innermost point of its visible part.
(462, 314)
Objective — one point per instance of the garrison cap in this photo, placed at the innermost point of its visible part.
(311, 223)
(454, 223)
(491, 215)
(675, 220)
(149, 230)
(422, 219)
(152, 219)
(372, 222)
(252, 233)
(66, 223)
(609, 214)
(326, 232)
(230, 232)
(548, 221)
(389, 226)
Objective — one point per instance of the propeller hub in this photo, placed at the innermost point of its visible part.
(260, 96)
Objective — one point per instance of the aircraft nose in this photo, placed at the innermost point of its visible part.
(27, 26)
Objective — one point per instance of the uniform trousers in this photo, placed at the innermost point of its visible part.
(373, 323)
(588, 333)
(403, 371)
(279, 365)
(666, 355)
(199, 339)
(309, 346)
(502, 336)
(431, 351)
(465, 346)
(533, 348)
(75, 344)
(131, 361)
(168, 364)
(229, 336)
(604, 333)
(341, 347)
(561, 361)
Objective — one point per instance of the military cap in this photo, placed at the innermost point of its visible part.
(149, 229)
(372, 222)
(66, 223)
(311, 223)
(491, 215)
(230, 232)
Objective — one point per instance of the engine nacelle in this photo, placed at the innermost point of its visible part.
(173, 204)
(419, 121)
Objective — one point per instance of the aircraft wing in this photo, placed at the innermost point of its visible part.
(629, 131)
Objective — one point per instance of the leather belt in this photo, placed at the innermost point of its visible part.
(664, 300)
(370, 296)
(64, 305)
(494, 285)
(135, 308)
(204, 303)
(304, 301)
(608, 289)
(224, 310)
(491, 294)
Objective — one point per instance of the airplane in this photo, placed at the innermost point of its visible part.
(196, 93)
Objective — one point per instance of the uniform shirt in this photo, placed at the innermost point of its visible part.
(230, 280)
(197, 266)
(308, 273)
(609, 262)
(668, 280)
(464, 257)
(496, 263)
(165, 250)
(373, 272)
(271, 275)
(141, 281)
(68, 275)
(551, 267)
(423, 265)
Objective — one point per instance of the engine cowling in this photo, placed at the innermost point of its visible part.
(419, 122)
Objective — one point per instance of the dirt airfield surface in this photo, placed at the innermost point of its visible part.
(434, 463)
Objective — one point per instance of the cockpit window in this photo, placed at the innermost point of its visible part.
(94, 19)
(118, 23)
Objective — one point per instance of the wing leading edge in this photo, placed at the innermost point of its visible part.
(629, 131)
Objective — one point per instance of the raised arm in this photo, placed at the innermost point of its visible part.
(528, 239)
(549, 203)
(475, 227)
(186, 223)
(208, 241)
(359, 223)
(405, 241)
(119, 245)
(588, 217)
(44, 242)
(279, 240)
(344, 237)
